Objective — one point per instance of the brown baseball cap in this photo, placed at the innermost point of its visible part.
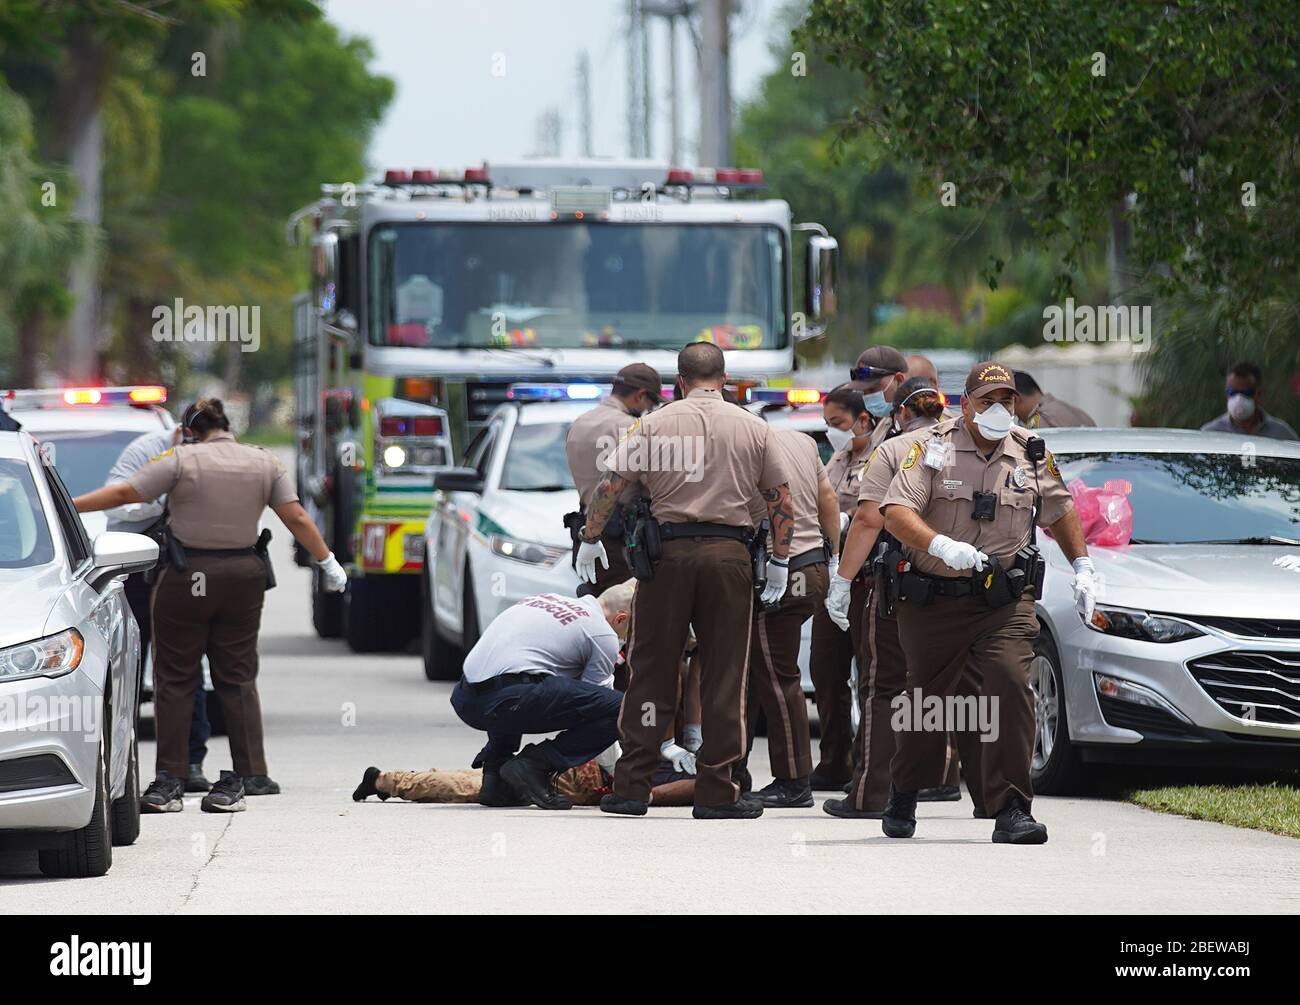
(883, 357)
(642, 377)
(987, 377)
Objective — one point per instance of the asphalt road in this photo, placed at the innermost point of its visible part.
(330, 713)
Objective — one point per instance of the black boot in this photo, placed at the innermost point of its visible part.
(1014, 825)
(784, 793)
(740, 775)
(367, 787)
(845, 808)
(741, 809)
(613, 803)
(260, 785)
(496, 791)
(821, 783)
(530, 776)
(940, 794)
(899, 820)
(196, 781)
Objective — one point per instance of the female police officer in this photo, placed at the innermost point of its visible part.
(209, 597)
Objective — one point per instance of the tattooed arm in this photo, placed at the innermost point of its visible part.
(603, 498)
(781, 514)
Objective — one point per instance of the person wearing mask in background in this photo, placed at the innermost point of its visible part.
(209, 600)
(637, 390)
(1244, 414)
(882, 669)
(141, 518)
(1037, 409)
(879, 372)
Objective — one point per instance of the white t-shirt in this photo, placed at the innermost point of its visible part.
(548, 633)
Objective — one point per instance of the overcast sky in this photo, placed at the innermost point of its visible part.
(451, 111)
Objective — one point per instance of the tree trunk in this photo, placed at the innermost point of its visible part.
(1117, 268)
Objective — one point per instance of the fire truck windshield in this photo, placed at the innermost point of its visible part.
(571, 285)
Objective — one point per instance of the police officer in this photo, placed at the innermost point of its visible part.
(699, 461)
(882, 668)
(775, 681)
(594, 434)
(964, 505)
(1036, 409)
(849, 428)
(209, 599)
(879, 372)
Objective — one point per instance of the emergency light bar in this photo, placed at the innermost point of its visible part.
(795, 396)
(147, 394)
(556, 392)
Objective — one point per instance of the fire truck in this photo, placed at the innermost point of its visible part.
(432, 292)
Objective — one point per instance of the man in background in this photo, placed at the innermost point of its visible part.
(1036, 409)
(1244, 414)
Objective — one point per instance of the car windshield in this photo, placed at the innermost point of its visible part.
(24, 533)
(83, 458)
(574, 285)
(1190, 498)
(536, 461)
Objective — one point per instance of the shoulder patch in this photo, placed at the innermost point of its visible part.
(166, 453)
(913, 455)
(1052, 469)
(871, 458)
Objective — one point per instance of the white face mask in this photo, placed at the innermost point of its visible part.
(994, 422)
(1240, 407)
(839, 439)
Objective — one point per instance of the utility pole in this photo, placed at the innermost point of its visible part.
(647, 96)
(584, 104)
(670, 11)
(715, 82)
(635, 131)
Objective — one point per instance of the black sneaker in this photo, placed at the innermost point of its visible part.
(227, 796)
(1014, 825)
(784, 793)
(165, 794)
(899, 820)
(940, 794)
(496, 791)
(196, 782)
(741, 809)
(845, 808)
(367, 787)
(528, 775)
(821, 783)
(260, 785)
(980, 813)
(612, 803)
(741, 776)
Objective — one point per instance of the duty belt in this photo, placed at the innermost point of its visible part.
(943, 586)
(221, 552)
(674, 531)
(810, 557)
(505, 680)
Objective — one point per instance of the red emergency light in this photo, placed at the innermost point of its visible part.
(423, 176)
(397, 176)
(476, 176)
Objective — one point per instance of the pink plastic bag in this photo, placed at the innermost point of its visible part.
(1106, 513)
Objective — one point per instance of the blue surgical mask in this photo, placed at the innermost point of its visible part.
(876, 404)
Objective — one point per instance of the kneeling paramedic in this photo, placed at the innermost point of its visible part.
(964, 505)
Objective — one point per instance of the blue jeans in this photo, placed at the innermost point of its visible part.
(586, 713)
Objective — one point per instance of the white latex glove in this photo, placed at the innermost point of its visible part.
(588, 555)
(679, 757)
(844, 521)
(778, 577)
(957, 554)
(692, 737)
(1291, 562)
(837, 601)
(833, 566)
(1085, 587)
(333, 578)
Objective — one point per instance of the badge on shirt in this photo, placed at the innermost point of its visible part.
(1019, 478)
(1052, 469)
(936, 454)
(913, 455)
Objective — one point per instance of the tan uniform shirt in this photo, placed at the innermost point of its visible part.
(700, 459)
(1052, 411)
(944, 497)
(884, 461)
(844, 470)
(216, 489)
(591, 436)
(807, 475)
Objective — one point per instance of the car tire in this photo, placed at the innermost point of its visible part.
(469, 627)
(1058, 771)
(326, 609)
(126, 808)
(89, 851)
(442, 660)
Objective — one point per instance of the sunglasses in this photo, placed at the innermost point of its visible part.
(863, 373)
(1248, 392)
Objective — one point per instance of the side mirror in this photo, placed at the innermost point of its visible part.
(324, 272)
(458, 480)
(116, 554)
(820, 265)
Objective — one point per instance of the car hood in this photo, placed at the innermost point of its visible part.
(533, 516)
(1205, 579)
(27, 597)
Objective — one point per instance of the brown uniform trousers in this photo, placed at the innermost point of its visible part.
(775, 683)
(830, 665)
(219, 614)
(882, 677)
(705, 583)
(959, 645)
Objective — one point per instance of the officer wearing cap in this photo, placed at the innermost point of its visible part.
(594, 435)
(699, 461)
(964, 505)
(1036, 409)
(209, 597)
(879, 372)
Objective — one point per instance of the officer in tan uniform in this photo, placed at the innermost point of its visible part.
(882, 667)
(208, 598)
(1037, 409)
(699, 461)
(596, 433)
(879, 372)
(964, 505)
(775, 682)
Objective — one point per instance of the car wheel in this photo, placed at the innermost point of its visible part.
(126, 808)
(89, 851)
(469, 628)
(442, 660)
(1056, 768)
(326, 609)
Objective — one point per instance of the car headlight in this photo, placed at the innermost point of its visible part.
(394, 456)
(49, 657)
(525, 551)
(1141, 626)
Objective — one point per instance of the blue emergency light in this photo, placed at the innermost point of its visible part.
(555, 392)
